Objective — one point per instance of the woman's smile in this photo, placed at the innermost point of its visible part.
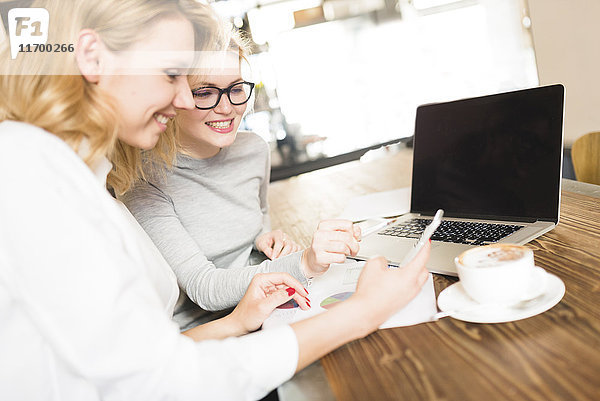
(221, 126)
(162, 120)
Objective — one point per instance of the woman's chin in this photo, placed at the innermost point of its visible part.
(224, 140)
(146, 141)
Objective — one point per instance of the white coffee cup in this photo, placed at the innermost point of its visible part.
(500, 274)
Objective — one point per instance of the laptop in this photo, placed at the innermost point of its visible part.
(492, 163)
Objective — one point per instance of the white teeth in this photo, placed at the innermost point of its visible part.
(161, 118)
(219, 124)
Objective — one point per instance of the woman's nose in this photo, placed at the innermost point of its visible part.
(183, 96)
(224, 106)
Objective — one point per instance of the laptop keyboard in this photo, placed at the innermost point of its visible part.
(458, 232)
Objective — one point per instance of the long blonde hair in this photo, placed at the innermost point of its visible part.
(47, 90)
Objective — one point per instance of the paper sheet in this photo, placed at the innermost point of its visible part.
(338, 283)
(379, 204)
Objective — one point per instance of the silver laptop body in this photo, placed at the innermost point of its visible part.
(491, 159)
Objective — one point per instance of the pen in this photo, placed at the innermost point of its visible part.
(372, 230)
(377, 227)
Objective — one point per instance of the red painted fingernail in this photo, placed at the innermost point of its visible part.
(291, 291)
(305, 290)
(430, 240)
(307, 300)
(308, 303)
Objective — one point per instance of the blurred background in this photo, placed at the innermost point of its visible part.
(336, 78)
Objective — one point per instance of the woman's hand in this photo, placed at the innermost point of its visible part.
(331, 243)
(382, 290)
(275, 244)
(265, 293)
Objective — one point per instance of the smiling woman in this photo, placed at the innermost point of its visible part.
(208, 213)
(221, 100)
(162, 90)
(73, 108)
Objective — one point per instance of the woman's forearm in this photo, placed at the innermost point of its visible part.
(216, 330)
(327, 331)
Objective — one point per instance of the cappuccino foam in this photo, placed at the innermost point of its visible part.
(493, 255)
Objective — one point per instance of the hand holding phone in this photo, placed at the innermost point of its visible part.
(427, 233)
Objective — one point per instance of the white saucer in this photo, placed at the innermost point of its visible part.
(454, 298)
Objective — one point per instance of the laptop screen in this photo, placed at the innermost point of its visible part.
(495, 157)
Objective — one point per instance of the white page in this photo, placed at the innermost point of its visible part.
(341, 278)
(378, 204)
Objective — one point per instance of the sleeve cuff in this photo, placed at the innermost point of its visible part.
(290, 264)
(276, 360)
(236, 368)
(257, 363)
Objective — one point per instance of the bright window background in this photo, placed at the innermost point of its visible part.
(358, 82)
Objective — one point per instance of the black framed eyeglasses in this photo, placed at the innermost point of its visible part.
(208, 97)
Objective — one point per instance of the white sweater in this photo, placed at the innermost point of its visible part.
(86, 299)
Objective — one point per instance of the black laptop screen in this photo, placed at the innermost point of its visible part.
(496, 156)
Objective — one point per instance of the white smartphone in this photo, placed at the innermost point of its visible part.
(427, 233)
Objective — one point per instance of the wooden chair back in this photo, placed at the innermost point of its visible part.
(585, 154)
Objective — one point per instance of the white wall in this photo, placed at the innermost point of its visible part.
(566, 37)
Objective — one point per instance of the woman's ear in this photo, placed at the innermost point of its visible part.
(88, 54)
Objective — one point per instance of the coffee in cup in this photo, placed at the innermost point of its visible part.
(501, 274)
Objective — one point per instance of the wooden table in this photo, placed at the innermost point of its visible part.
(551, 356)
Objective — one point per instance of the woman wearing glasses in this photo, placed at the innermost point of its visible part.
(209, 211)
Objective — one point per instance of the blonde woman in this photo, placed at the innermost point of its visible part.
(209, 211)
(85, 298)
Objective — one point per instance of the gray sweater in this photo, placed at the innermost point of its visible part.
(204, 216)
